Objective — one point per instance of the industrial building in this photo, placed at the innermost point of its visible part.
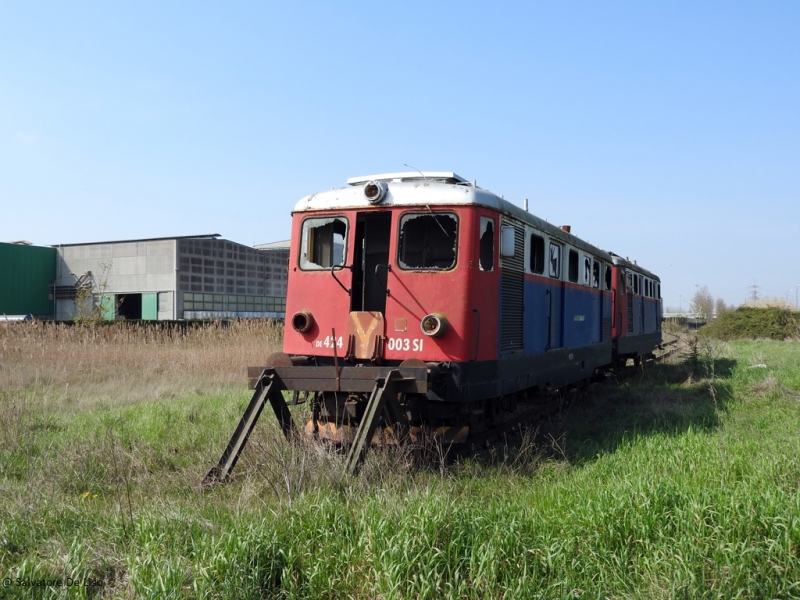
(186, 277)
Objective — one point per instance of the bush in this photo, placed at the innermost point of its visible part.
(747, 322)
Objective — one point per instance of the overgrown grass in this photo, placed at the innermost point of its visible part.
(679, 482)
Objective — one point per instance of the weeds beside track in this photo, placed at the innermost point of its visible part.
(681, 481)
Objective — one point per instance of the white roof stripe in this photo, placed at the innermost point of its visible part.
(407, 176)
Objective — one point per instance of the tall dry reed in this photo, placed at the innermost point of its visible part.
(79, 365)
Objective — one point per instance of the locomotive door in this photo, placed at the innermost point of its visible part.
(371, 261)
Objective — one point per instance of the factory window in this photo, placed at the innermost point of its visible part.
(486, 258)
(537, 254)
(323, 243)
(428, 241)
(573, 266)
(164, 301)
(554, 266)
(595, 274)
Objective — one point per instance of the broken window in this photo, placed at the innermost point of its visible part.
(608, 278)
(428, 241)
(587, 270)
(573, 266)
(537, 254)
(323, 243)
(554, 268)
(595, 274)
(486, 258)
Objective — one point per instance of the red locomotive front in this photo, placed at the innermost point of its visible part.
(383, 272)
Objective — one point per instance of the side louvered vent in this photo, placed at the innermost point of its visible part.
(512, 287)
(630, 312)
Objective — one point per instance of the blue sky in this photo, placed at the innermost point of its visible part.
(665, 132)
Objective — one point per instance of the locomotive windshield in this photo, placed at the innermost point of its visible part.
(428, 241)
(323, 243)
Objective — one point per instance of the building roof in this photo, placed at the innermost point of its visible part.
(209, 236)
(280, 245)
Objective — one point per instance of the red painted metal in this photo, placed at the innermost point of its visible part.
(467, 296)
(619, 305)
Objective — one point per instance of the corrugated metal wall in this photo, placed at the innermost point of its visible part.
(26, 274)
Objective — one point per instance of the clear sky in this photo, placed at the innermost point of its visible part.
(667, 132)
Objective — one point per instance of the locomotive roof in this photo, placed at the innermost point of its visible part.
(432, 188)
(624, 262)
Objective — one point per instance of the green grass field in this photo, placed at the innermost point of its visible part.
(680, 482)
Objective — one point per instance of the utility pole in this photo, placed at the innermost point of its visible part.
(754, 292)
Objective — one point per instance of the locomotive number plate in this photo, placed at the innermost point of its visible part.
(404, 344)
(328, 342)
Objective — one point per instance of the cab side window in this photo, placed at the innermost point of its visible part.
(486, 244)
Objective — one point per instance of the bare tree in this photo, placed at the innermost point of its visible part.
(703, 303)
(720, 307)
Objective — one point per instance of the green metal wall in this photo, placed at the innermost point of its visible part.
(26, 274)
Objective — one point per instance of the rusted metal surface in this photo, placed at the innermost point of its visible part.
(351, 378)
(266, 389)
(388, 435)
(366, 329)
(383, 398)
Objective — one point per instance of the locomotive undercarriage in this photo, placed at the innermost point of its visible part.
(336, 417)
(357, 406)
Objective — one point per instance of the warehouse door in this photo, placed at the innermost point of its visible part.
(149, 307)
(129, 306)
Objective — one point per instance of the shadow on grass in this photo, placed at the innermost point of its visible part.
(661, 399)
